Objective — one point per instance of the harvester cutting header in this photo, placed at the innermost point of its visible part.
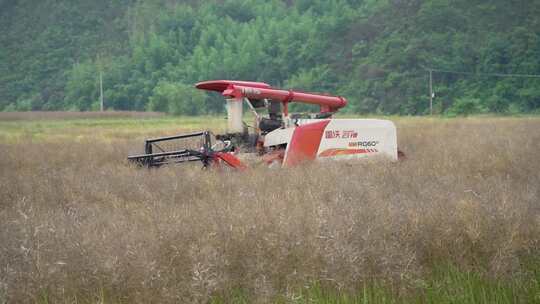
(277, 137)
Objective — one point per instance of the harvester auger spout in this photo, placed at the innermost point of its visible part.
(278, 137)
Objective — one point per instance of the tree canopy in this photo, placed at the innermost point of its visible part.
(375, 53)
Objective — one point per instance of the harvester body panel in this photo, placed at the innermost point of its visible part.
(341, 139)
(358, 138)
(281, 136)
(305, 143)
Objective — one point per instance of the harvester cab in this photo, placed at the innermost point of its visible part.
(277, 137)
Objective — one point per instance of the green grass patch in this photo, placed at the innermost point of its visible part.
(38, 130)
(129, 127)
(446, 284)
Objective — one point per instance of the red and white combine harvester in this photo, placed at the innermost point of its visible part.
(278, 137)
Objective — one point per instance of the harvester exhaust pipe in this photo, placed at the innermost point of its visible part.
(235, 123)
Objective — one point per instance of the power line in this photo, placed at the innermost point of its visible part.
(484, 74)
(431, 70)
(395, 76)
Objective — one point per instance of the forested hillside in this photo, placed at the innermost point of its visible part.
(375, 53)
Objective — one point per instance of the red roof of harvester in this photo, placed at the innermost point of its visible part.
(221, 85)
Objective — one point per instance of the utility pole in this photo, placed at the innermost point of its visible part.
(431, 92)
(101, 90)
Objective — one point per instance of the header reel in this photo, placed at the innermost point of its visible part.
(164, 150)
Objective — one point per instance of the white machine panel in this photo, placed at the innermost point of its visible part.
(278, 137)
(358, 138)
(234, 116)
(344, 139)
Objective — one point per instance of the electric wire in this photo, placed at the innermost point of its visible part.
(484, 74)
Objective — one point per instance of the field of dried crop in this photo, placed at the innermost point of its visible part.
(457, 222)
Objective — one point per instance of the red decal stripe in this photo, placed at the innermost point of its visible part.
(336, 152)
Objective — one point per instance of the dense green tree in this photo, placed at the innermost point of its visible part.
(176, 98)
(375, 53)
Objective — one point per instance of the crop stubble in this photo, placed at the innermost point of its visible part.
(76, 220)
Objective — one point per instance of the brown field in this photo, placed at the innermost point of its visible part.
(48, 115)
(78, 224)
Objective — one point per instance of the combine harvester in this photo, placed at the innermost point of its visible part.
(278, 137)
